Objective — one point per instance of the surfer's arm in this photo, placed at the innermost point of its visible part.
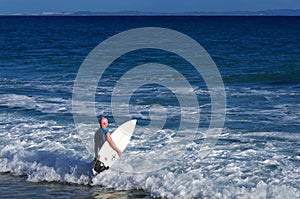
(112, 144)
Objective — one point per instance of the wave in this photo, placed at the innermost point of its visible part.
(241, 164)
(173, 182)
(46, 166)
(232, 169)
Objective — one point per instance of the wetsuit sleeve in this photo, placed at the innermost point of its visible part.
(105, 131)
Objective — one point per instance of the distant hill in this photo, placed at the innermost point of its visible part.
(281, 12)
(278, 12)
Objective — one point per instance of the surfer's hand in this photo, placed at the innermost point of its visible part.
(119, 153)
(94, 160)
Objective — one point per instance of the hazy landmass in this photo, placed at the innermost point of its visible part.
(278, 12)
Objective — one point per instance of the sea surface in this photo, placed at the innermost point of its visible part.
(257, 154)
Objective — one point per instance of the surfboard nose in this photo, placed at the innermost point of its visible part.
(134, 121)
(128, 127)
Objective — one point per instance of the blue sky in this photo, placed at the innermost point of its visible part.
(37, 6)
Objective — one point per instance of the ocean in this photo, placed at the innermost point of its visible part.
(46, 152)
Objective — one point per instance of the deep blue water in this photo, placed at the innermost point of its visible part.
(257, 154)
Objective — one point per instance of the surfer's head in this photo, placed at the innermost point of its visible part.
(103, 122)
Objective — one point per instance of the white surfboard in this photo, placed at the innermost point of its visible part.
(121, 137)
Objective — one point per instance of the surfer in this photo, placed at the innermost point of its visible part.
(101, 136)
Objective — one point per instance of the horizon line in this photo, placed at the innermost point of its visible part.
(271, 12)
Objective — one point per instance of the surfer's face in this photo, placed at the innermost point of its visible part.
(104, 123)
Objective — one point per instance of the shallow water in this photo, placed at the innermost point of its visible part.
(18, 187)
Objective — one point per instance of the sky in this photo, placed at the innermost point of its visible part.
(169, 6)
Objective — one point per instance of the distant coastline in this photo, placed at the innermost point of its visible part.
(277, 12)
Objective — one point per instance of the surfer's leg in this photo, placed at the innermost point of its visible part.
(99, 166)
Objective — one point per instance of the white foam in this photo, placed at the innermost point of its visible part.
(237, 168)
(39, 103)
(215, 176)
(195, 184)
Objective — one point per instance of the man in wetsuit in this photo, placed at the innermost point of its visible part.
(101, 136)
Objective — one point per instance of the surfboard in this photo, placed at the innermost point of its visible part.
(108, 156)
